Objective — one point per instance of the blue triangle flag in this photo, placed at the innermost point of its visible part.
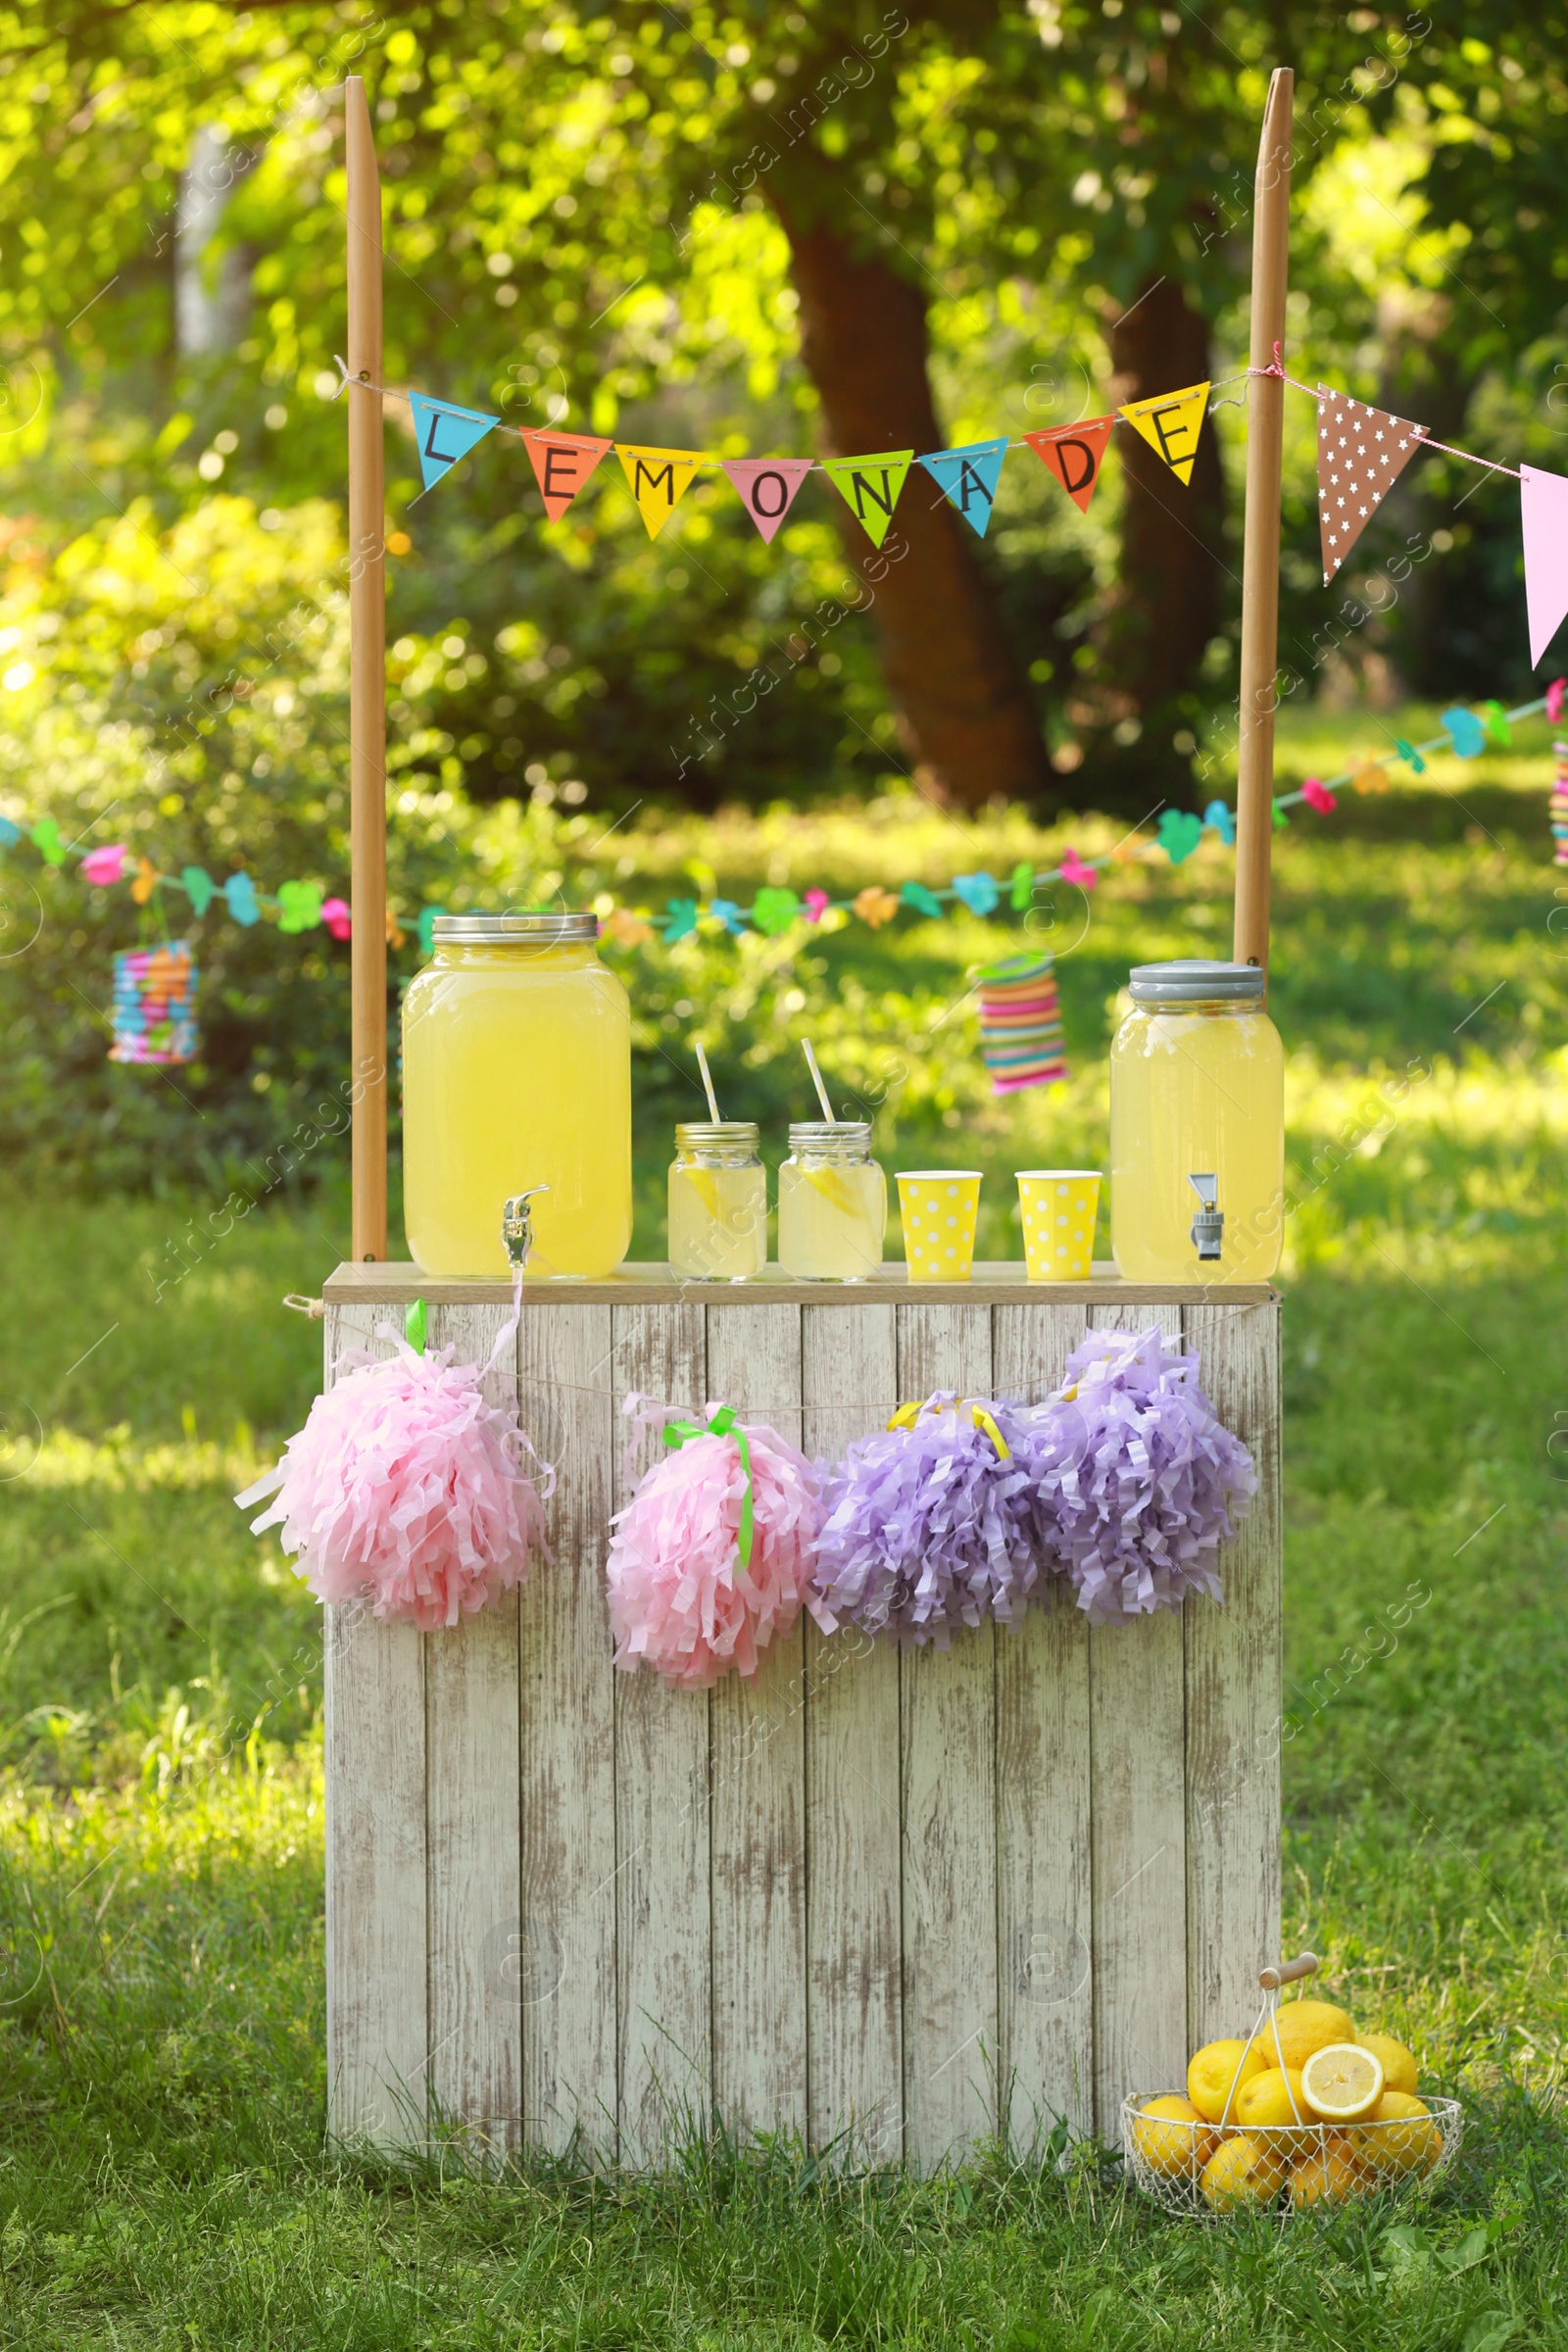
(445, 433)
(969, 476)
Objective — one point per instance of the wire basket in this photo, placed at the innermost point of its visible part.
(1212, 2172)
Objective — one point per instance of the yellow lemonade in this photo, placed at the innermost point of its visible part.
(1197, 1090)
(516, 1073)
(832, 1203)
(717, 1203)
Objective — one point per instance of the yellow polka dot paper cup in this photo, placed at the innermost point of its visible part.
(1058, 1207)
(937, 1208)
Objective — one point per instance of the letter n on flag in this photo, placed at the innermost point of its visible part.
(1075, 454)
(658, 480)
(870, 487)
(767, 487)
(445, 433)
(562, 464)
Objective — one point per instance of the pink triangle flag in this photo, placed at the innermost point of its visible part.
(1544, 515)
(767, 487)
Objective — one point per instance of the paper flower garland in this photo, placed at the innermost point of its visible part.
(711, 1561)
(406, 1489)
(1138, 1478)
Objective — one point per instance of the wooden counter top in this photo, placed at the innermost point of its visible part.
(997, 1283)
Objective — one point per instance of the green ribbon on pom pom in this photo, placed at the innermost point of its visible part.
(723, 1425)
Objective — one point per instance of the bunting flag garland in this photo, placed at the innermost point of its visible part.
(1170, 423)
(767, 487)
(1361, 453)
(443, 434)
(1544, 521)
(969, 476)
(658, 480)
(562, 464)
(1075, 454)
(870, 486)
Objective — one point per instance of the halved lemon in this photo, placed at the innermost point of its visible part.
(1342, 2083)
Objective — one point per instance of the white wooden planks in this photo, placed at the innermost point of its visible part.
(1043, 1921)
(894, 1902)
(664, 1910)
(376, 2038)
(566, 1958)
(1139, 1838)
(759, 1789)
(950, 1818)
(852, 1803)
(472, 1826)
(1234, 1696)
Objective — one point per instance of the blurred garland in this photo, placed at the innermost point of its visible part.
(303, 907)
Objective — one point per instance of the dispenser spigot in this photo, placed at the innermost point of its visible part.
(1208, 1226)
(517, 1225)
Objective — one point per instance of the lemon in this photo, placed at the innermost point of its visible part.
(1329, 2174)
(1217, 2072)
(704, 1184)
(1342, 2083)
(1298, 2027)
(1272, 2109)
(835, 1190)
(1240, 2173)
(1172, 2137)
(1399, 2067)
(1398, 2136)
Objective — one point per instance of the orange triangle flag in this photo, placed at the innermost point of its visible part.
(561, 463)
(1074, 453)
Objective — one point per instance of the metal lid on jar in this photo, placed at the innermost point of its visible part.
(814, 1134)
(712, 1135)
(546, 926)
(1194, 980)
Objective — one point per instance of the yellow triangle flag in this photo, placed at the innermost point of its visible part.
(1171, 424)
(658, 480)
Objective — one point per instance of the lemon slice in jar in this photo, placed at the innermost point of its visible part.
(835, 1188)
(704, 1184)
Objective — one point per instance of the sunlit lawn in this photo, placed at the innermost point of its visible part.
(163, 2178)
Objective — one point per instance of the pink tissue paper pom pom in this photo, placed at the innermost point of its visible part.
(1317, 795)
(106, 865)
(681, 1600)
(406, 1489)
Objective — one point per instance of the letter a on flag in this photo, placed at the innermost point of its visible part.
(1171, 424)
(870, 486)
(445, 433)
(767, 487)
(969, 476)
(561, 463)
(1544, 513)
(1075, 454)
(658, 480)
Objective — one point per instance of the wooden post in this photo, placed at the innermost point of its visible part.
(1260, 561)
(367, 683)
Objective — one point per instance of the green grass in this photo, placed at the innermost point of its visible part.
(163, 2177)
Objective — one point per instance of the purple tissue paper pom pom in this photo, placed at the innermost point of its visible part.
(1138, 1478)
(928, 1527)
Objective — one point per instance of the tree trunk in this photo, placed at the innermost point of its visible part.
(963, 711)
(1167, 603)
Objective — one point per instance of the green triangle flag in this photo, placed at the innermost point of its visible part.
(870, 486)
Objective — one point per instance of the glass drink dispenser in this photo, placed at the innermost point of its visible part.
(517, 1077)
(1196, 1127)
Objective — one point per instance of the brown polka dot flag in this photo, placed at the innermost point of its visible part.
(1361, 453)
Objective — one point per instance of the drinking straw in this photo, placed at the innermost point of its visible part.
(707, 1087)
(817, 1081)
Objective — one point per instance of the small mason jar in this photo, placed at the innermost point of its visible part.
(718, 1202)
(832, 1202)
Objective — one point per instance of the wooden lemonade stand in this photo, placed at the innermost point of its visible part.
(896, 1903)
